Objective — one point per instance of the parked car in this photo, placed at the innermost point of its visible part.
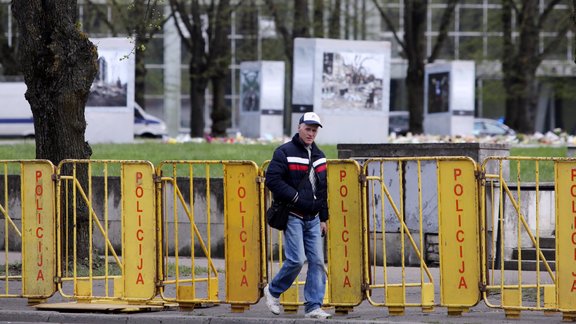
(398, 122)
(485, 126)
(146, 125)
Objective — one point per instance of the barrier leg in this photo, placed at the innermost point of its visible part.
(343, 310)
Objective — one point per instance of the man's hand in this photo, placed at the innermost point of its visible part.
(323, 228)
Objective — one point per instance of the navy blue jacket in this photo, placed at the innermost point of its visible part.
(289, 165)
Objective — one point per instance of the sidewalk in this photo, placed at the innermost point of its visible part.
(17, 310)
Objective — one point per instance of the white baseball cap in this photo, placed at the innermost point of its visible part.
(310, 118)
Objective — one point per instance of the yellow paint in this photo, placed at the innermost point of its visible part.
(139, 230)
(458, 227)
(550, 297)
(345, 233)
(427, 294)
(511, 297)
(566, 235)
(38, 226)
(242, 233)
(186, 293)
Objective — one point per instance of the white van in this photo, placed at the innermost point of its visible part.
(16, 117)
(15, 114)
(146, 125)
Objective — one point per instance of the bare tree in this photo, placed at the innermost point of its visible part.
(59, 64)
(207, 27)
(522, 55)
(334, 20)
(8, 58)
(318, 21)
(414, 50)
(574, 22)
(290, 29)
(140, 19)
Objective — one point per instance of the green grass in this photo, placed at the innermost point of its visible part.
(539, 151)
(185, 271)
(156, 152)
(528, 168)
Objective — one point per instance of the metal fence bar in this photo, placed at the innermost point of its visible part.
(516, 231)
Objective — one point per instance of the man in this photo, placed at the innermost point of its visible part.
(297, 174)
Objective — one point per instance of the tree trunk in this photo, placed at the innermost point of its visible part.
(198, 68)
(415, 22)
(519, 64)
(415, 82)
(197, 101)
(59, 64)
(334, 21)
(8, 58)
(221, 111)
(521, 100)
(574, 22)
(219, 60)
(318, 21)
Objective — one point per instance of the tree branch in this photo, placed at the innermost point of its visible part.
(278, 21)
(546, 13)
(177, 7)
(557, 39)
(390, 25)
(101, 14)
(443, 30)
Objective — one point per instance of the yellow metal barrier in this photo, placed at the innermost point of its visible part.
(565, 179)
(184, 223)
(29, 230)
(344, 241)
(344, 244)
(407, 202)
(517, 214)
(92, 266)
(382, 216)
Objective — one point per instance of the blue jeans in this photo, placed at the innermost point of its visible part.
(302, 241)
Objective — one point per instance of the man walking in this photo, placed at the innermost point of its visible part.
(297, 174)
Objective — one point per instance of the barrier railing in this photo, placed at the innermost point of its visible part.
(407, 201)
(344, 286)
(512, 216)
(162, 243)
(124, 274)
(183, 223)
(29, 228)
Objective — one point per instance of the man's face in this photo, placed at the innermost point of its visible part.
(307, 133)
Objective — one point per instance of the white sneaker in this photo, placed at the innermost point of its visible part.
(318, 313)
(272, 302)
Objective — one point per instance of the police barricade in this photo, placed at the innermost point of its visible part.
(27, 207)
(529, 223)
(411, 203)
(105, 253)
(344, 286)
(199, 249)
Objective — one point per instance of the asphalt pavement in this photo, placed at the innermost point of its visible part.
(63, 311)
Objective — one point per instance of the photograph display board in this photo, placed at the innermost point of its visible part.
(449, 94)
(110, 106)
(347, 83)
(261, 99)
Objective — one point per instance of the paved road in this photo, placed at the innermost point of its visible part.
(17, 310)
